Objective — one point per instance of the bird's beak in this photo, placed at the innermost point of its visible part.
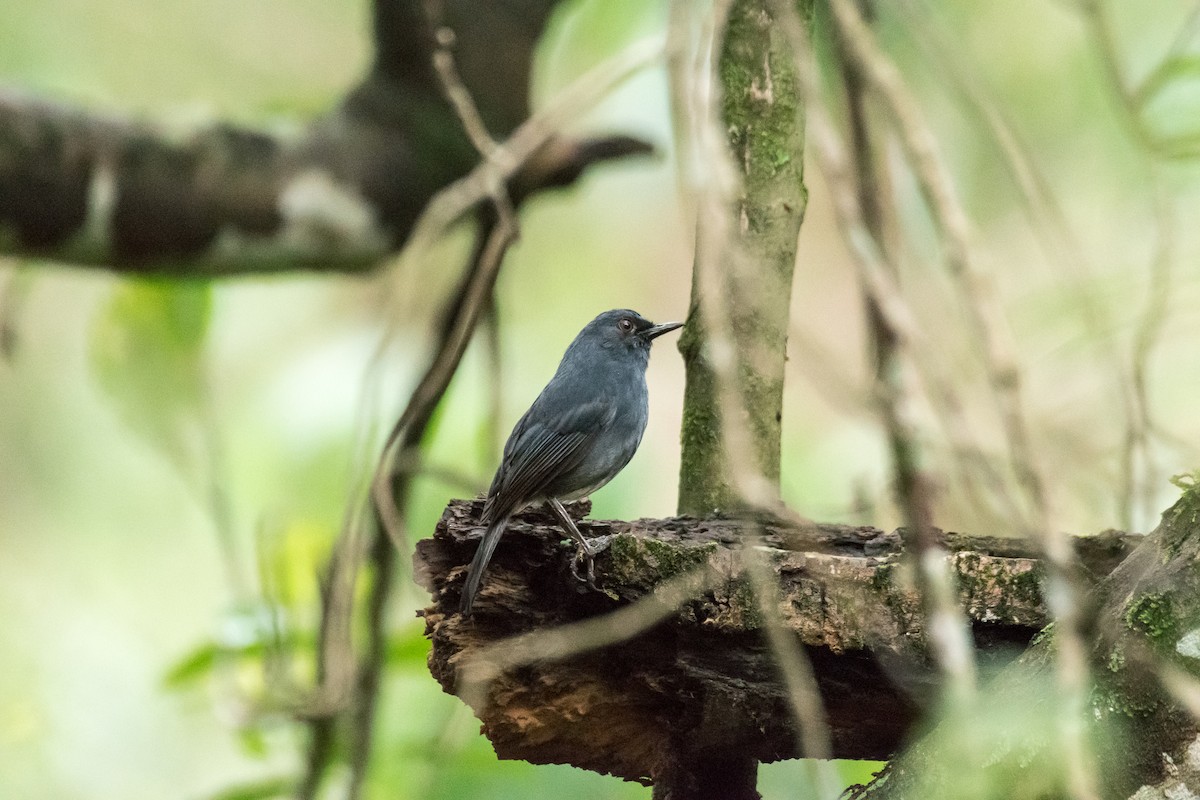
(658, 330)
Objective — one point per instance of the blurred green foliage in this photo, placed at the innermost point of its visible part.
(148, 354)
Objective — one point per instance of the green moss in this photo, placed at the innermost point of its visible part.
(1153, 614)
(637, 560)
(882, 578)
(1110, 700)
(761, 101)
(1181, 520)
(702, 486)
(1043, 637)
(1189, 483)
(1116, 659)
(1016, 593)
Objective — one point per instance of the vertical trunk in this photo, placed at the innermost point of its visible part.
(764, 122)
(724, 776)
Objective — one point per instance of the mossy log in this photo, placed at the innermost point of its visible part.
(1144, 637)
(702, 682)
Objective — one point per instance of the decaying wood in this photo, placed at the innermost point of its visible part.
(704, 680)
(1144, 704)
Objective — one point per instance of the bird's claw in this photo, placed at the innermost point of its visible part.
(586, 553)
(586, 556)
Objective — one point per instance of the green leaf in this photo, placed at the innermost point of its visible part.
(193, 667)
(258, 790)
(233, 650)
(148, 356)
(254, 743)
(1177, 68)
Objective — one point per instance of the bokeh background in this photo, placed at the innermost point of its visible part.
(136, 601)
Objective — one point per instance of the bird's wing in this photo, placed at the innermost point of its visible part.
(540, 449)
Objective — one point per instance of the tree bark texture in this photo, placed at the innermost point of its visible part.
(703, 680)
(341, 195)
(764, 119)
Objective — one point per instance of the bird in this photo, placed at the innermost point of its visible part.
(579, 433)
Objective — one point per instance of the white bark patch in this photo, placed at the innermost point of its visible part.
(323, 223)
(102, 198)
(322, 216)
(1192, 756)
(1189, 644)
(764, 91)
(93, 240)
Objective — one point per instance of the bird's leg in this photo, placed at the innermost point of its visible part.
(584, 546)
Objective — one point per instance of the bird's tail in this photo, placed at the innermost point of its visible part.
(483, 554)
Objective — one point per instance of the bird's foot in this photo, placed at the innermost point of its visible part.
(585, 556)
(587, 553)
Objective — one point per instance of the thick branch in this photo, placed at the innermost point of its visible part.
(108, 191)
(101, 190)
(704, 673)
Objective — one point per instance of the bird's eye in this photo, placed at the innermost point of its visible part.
(626, 324)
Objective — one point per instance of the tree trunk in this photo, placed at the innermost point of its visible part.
(764, 120)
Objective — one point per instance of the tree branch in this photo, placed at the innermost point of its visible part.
(340, 196)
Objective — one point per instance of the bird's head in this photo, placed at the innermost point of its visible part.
(622, 329)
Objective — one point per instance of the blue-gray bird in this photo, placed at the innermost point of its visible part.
(578, 434)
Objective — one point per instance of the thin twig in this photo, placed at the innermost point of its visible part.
(493, 437)
(386, 539)
(437, 377)
(456, 92)
(392, 479)
(795, 667)
(979, 478)
(1140, 426)
(392, 486)
(946, 626)
(457, 199)
(991, 334)
(382, 557)
(975, 287)
(912, 481)
(219, 504)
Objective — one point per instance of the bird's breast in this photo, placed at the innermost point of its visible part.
(608, 454)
